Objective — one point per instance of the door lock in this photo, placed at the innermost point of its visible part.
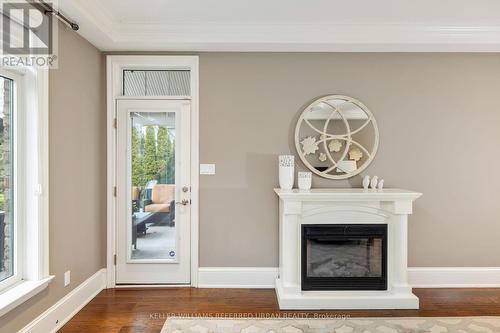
(185, 189)
(183, 202)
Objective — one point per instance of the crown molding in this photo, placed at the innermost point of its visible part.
(100, 27)
(97, 25)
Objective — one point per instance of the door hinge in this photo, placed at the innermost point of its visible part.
(114, 191)
(115, 123)
(114, 259)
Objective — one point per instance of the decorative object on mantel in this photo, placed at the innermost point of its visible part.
(374, 182)
(347, 131)
(365, 325)
(366, 182)
(380, 185)
(286, 171)
(305, 180)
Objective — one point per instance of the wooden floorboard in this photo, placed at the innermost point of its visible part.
(145, 310)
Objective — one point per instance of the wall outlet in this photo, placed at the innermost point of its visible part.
(207, 169)
(67, 278)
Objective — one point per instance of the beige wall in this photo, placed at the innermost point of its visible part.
(438, 116)
(77, 118)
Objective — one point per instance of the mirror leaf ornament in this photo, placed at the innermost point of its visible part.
(355, 154)
(335, 146)
(310, 145)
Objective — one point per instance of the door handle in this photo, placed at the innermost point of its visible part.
(184, 202)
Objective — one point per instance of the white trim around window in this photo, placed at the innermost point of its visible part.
(31, 191)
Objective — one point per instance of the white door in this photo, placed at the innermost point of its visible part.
(153, 192)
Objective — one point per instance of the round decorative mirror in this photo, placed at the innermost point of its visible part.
(336, 137)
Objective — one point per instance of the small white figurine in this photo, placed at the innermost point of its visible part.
(374, 182)
(366, 182)
(380, 185)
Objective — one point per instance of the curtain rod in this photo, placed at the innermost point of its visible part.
(48, 9)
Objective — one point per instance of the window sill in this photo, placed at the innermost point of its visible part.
(21, 293)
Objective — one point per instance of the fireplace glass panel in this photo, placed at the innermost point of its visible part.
(344, 258)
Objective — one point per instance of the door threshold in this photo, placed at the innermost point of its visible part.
(124, 286)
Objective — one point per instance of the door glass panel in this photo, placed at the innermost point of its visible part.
(152, 158)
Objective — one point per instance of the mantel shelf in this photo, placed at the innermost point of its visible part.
(343, 194)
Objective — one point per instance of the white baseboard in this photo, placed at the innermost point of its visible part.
(454, 277)
(237, 277)
(61, 312)
(419, 277)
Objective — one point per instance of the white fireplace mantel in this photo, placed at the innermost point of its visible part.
(345, 206)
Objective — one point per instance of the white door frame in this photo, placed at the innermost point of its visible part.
(114, 70)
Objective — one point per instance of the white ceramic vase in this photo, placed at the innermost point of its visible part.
(305, 180)
(286, 171)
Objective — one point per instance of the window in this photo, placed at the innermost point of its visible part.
(156, 82)
(23, 185)
(8, 221)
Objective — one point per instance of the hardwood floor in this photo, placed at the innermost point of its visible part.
(145, 310)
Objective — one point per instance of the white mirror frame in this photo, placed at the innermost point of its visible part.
(346, 137)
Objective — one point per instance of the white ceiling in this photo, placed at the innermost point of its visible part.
(289, 25)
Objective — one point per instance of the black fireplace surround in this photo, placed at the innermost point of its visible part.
(344, 257)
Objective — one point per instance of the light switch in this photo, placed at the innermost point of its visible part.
(67, 278)
(207, 169)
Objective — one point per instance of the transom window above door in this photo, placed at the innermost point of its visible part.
(156, 82)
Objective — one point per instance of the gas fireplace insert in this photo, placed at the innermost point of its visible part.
(344, 257)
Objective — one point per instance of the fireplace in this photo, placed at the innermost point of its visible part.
(368, 228)
(344, 257)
